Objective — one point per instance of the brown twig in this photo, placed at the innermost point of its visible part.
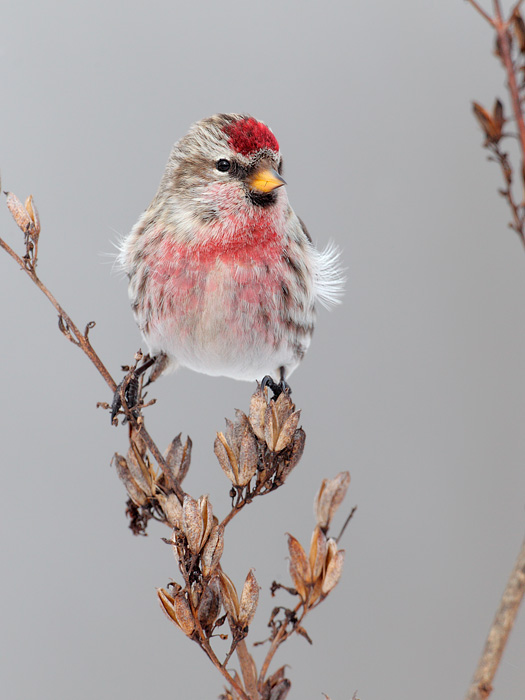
(492, 125)
(499, 632)
(239, 506)
(282, 635)
(502, 29)
(71, 331)
(248, 670)
(504, 42)
(481, 11)
(215, 661)
(206, 646)
(68, 328)
(345, 525)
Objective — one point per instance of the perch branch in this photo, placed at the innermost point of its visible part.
(499, 632)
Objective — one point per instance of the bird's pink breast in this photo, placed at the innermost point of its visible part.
(215, 287)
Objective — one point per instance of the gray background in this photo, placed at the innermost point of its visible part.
(415, 384)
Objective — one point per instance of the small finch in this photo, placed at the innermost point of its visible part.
(223, 276)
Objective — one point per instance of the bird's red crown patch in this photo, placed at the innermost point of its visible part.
(247, 136)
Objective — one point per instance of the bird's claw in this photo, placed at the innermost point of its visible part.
(276, 387)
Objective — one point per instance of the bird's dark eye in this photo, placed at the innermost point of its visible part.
(223, 165)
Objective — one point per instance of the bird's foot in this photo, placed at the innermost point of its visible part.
(158, 364)
(276, 387)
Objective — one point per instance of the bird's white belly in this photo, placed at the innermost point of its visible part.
(230, 326)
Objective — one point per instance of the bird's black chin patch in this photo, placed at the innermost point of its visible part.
(262, 199)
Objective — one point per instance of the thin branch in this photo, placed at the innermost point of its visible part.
(481, 11)
(215, 661)
(281, 636)
(350, 516)
(247, 670)
(502, 26)
(77, 338)
(204, 643)
(499, 632)
(81, 340)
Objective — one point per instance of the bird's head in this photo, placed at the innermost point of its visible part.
(227, 164)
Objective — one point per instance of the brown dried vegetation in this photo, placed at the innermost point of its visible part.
(510, 51)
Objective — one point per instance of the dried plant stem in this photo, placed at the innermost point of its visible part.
(152, 447)
(509, 32)
(281, 636)
(499, 632)
(247, 669)
(504, 42)
(502, 29)
(71, 331)
(481, 11)
(215, 661)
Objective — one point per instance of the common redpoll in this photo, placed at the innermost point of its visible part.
(223, 276)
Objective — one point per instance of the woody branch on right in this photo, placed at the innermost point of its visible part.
(503, 127)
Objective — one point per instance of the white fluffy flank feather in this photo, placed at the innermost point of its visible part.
(329, 277)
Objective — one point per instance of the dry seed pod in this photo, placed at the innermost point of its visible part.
(318, 552)
(177, 610)
(192, 525)
(315, 592)
(271, 427)
(136, 494)
(258, 405)
(171, 508)
(207, 519)
(498, 116)
(277, 686)
(235, 431)
(197, 521)
(248, 458)
(242, 422)
(276, 677)
(237, 451)
(287, 431)
(329, 498)
(487, 123)
(178, 457)
(334, 567)
(226, 457)
(140, 471)
(284, 407)
(519, 29)
(292, 460)
(209, 606)
(229, 596)
(31, 209)
(195, 593)
(212, 550)
(137, 438)
(19, 213)
(249, 600)
(173, 541)
(299, 566)
(279, 425)
(280, 690)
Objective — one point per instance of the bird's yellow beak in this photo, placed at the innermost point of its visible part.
(265, 180)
